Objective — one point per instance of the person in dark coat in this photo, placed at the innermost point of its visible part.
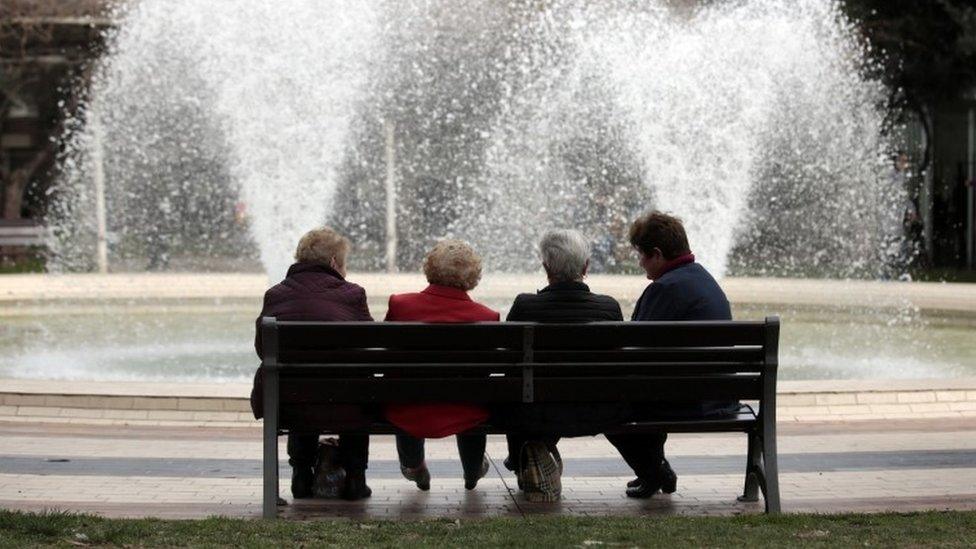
(681, 290)
(315, 288)
(453, 269)
(565, 258)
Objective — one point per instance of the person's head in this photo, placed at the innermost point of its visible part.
(658, 239)
(325, 247)
(565, 255)
(453, 263)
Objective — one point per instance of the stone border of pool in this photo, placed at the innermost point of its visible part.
(21, 291)
(226, 404)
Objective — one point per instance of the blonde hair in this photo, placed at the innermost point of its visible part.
(453, 263)
(321, 246)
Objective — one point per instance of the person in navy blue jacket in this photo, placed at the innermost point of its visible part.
(681, 290)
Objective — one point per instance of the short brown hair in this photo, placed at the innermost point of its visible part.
(659, 230)
(453, 263)
(321, 246)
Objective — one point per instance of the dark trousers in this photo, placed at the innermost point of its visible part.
(517, 440)
(353, 451)
(471, 448)
(643, 452)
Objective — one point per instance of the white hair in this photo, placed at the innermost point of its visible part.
(564, 254)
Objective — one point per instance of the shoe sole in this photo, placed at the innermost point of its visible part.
(472, 484)
(423, 481)
(420, 478)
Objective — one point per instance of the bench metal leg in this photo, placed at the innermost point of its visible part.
(753, 468)
(771, 469)
(270, 494)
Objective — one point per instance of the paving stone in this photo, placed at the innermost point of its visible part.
(916, 397)
(877, 398)
(836, 399)
(876, 456)
(950, 396)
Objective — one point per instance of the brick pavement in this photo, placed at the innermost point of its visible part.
(193, 472)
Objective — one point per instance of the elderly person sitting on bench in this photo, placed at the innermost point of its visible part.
(565, 256)
(452, 268)
(315, 288)
(680, 289)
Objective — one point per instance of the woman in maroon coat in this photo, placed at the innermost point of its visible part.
(315, 289)
(452, 269)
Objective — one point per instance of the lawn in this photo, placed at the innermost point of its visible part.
(944, 529)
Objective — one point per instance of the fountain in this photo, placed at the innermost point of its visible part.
(504, 113)
(220, 144)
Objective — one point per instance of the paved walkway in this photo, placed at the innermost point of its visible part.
(194, 472)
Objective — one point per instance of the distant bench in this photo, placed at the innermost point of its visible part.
(23, 233)
(306, 364)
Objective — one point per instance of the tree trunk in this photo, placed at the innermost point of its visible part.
(16, 183)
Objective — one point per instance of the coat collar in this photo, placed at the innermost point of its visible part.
(312, 268)
(679, 261)
(572, 285)
(446, 291)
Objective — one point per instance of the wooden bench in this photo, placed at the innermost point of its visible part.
(23, 233)
(315, 363)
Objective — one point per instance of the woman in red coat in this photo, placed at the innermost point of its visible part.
(452, 269)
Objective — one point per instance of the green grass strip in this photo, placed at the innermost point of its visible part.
(944, 529)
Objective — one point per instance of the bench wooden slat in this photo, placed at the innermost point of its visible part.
(603, 335)
(742, 421)
(388, 390)
(373, 356)
(297, 335)
(579, 370)
(647, 389)
(676, 354)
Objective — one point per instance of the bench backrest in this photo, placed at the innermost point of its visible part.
(379, 362)
(23, 233)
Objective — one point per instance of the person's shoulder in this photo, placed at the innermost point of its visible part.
(354, 289)
(603, 298)
(526, 299)
(405, 298)
(483, 312)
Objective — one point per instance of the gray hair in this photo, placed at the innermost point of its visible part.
(564, 253)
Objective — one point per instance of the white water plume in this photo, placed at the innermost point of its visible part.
(245, 106)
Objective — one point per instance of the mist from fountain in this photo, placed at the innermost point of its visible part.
(754, 121)
(245, 106)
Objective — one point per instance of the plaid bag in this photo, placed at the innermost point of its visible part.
(329, 475)
(540, 472)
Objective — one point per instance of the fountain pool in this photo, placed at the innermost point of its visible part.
(207, 340)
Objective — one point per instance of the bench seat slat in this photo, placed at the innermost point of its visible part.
(740, 422)
(577, 368)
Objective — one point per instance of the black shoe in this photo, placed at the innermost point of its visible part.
(669, 480)
(471, 483)
(644, 489)
(355, 487)
(420, 475)
(665, 481)
(301, 482)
